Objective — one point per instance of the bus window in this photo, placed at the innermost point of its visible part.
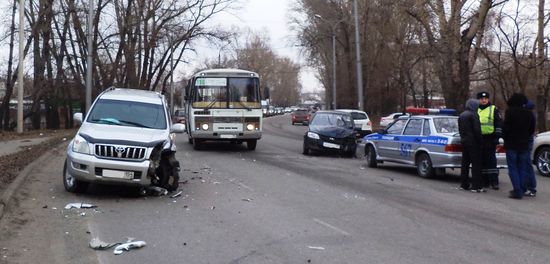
(243, 90)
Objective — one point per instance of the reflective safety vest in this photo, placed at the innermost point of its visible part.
(487, 120)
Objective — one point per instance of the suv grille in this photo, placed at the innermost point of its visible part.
(120, 152)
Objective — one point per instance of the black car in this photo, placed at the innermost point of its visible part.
(331, 131)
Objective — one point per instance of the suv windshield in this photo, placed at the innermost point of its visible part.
(227, 93)
(332, 120)
(446, 125)
(128, 113)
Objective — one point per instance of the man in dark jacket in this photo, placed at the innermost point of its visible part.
(517, 129)
(470, 136)
(491, 131)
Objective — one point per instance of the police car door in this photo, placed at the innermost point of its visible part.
(409, 142)
(388, 145)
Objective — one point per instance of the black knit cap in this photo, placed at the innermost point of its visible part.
(482, 94)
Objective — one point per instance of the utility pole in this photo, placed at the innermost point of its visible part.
(333, 25)
(21, 63)
(89, 63)
(358, 65)
(171, 75)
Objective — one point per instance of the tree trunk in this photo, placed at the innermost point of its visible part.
(542, 85)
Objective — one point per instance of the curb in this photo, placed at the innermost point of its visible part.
(22, 177)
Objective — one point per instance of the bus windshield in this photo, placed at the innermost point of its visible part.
(226, 93)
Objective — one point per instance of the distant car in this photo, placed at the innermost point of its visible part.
(361, 120)
(386, 120)
(179, 117)
(429, 142)
(541, 153)
(300, 116)
(331, 131)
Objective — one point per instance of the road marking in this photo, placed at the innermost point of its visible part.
(331, 227)
(246, 187)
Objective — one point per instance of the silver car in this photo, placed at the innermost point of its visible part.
(126, 138)
(431, 143)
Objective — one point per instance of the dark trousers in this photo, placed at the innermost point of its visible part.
(489, 171)
(471, 154)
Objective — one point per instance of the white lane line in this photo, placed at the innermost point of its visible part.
(246, 187)
(331, 227)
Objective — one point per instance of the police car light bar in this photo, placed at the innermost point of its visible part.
(430, 111)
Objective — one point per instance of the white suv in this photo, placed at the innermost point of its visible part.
(361, 120)
(127, 139)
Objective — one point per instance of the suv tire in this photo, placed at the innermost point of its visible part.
(71, 184)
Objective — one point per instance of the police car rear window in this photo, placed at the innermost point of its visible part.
(446, 125)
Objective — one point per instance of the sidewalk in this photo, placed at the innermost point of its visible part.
(25, 154)
(13, 146)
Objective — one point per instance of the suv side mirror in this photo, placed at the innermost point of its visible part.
(77, 117)
(177, 128)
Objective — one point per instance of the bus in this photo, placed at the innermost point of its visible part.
(224, 105)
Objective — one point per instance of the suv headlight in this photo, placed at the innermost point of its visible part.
(80, 145)
(312, 135)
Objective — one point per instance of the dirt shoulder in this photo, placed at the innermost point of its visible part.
(12, 164)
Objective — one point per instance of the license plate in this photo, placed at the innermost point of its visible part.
(330, 145)
(118, 174)
(228, 136)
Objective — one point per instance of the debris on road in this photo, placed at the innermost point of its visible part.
(317, 248)
(79, 205)
(97, 244)
(178, 194)
(247, 199)
(157, 191)
(127, 246)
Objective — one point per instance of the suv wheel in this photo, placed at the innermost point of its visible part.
(71, 183)
(424, 166)
(542, 161)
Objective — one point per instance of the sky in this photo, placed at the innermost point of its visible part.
(269, 16)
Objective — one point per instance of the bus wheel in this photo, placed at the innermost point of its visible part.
(251, 144)
(197, 144)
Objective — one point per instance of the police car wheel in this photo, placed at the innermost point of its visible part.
(424, 166)
(542, 161)
(370, 156)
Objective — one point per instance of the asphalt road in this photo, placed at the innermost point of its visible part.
(275, 205)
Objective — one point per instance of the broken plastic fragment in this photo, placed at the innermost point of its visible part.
(79, 205)
(158, 191)
(96, 243)
(176, 194)
(127, 246)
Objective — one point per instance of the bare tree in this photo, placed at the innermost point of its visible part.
(451, 28)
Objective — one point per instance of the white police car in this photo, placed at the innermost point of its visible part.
(429, 142)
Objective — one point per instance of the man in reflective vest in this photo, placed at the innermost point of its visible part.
(491, 131)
